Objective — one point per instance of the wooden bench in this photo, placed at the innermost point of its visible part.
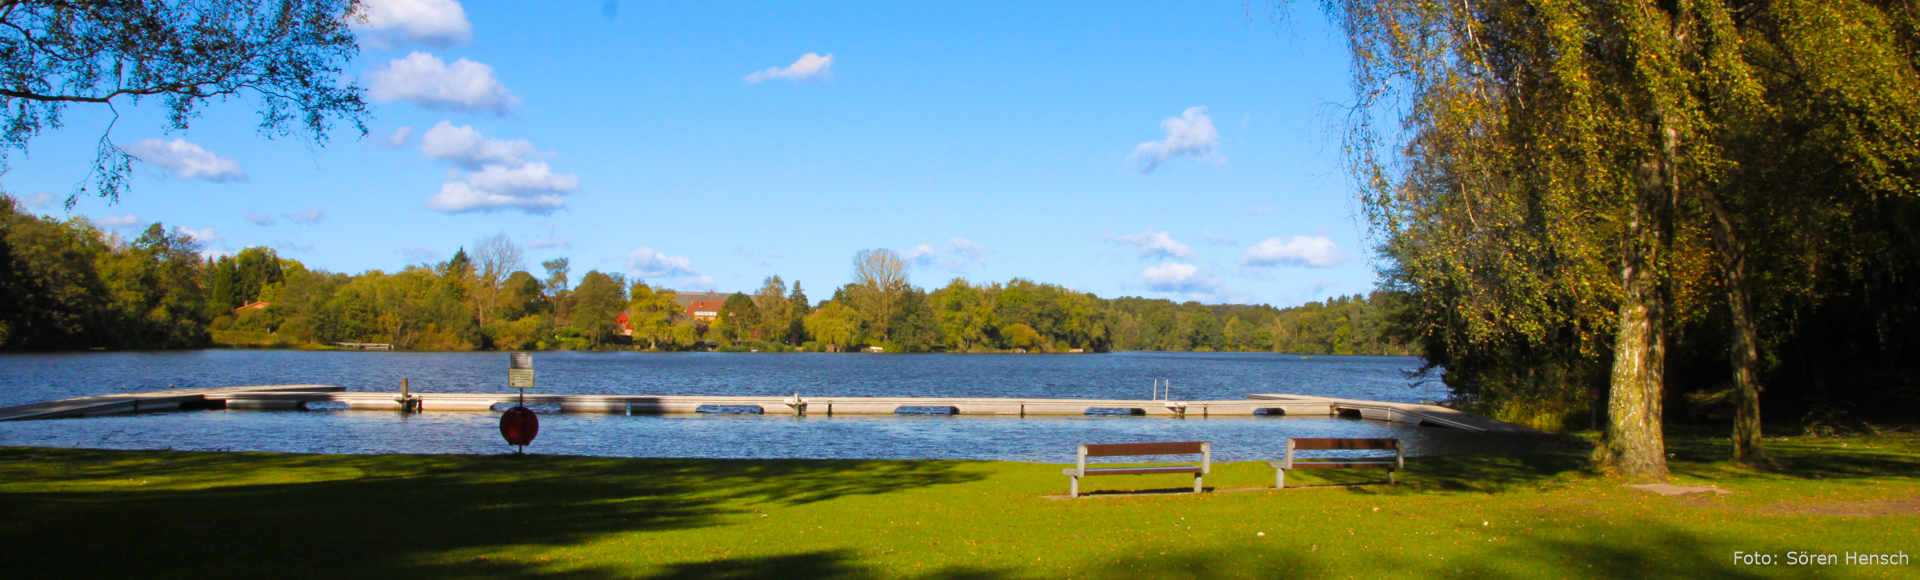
(1129, 449)
(1391, 463)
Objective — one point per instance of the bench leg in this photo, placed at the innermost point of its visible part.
(1279, 478)
(1073, 489)
(1389, 477)
(1197, 488)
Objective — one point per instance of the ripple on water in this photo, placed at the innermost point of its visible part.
(721, 434)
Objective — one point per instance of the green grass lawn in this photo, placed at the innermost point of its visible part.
(86, 513)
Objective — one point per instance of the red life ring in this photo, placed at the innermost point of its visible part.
(519, 425)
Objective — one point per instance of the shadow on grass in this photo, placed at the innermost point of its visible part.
(1852, 458)
(1476, 474)
(827, 565)
(1642, 550)
(415, 516)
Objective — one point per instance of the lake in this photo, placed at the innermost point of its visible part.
(28, 378)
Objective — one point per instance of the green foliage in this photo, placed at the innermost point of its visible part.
(1732, 182)
(154, 287)
(739, 319)
(597, 302)
(833, 324)
(288, 56)
(651, 314)
(69, 285)
(1341, 325)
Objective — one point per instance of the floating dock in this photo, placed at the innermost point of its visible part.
(294, 397)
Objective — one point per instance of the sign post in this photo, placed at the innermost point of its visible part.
(519, 425)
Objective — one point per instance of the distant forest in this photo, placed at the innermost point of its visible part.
(72, 285)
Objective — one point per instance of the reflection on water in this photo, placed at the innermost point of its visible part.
(1040, 439)
(40, 377)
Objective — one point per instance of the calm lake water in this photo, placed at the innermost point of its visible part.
(40, 377)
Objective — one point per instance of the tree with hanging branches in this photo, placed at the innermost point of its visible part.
(1570, 181)
(285, 54)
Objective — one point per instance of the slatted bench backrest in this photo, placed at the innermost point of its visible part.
(1122, 449)
(1313, 444)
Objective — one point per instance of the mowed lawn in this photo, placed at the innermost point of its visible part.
(155, 514)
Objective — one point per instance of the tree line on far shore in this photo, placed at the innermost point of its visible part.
(72, 285)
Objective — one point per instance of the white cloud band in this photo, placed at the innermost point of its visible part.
(1309, 251)
(1158, 245)
(437, 23)
(183, 160)
(810, 67)
(432, 84)
(1189, 135)
(647, 263)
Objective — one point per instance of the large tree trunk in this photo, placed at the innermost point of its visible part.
(1635, 445)
(1744, 354)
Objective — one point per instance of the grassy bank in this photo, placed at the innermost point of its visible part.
(72, 513)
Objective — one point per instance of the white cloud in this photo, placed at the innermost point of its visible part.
(1213, 237)
(119, 221)
(309, 216)
(419, 254)
(699, 283)
(1158, 245)
(466, 147)
(531, 188)
(648, 263)
(1193, 283)
(1310, 251)
(551, 242)
(1263, 209)
(1178, 278)
(291, 247)
(529, 179)
(499, 175)
(921, 254)
(955, 256)
(1189, 135)
(810, 67)
(184, 160)
(211, 244)
(436, 23)
(430, 83)
(39, 199)
(261, 219)
(398, 138)
(203, 235)
(968, 248)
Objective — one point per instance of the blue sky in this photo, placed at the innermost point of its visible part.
(1163, 149)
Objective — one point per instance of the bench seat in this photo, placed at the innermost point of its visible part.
(1391, 463)
(1080, 469)
(1335, 464)
(1147, 470)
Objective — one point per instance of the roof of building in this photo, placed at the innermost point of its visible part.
(706, 305)
(686, 299)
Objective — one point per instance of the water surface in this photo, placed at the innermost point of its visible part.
(39, 377)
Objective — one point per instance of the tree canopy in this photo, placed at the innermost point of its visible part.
(1564, 189)
(288, 55)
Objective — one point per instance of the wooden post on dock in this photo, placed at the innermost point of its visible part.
(409, 404)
